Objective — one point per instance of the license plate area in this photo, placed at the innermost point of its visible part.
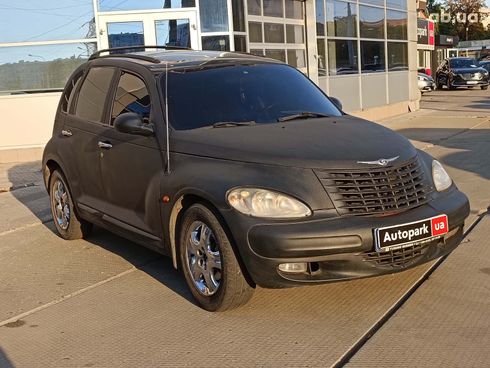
(399, 236)
(472, 82)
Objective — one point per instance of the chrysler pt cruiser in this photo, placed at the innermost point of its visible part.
(244, 172)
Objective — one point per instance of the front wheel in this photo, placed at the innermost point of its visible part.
(209, 264)
(67, 223)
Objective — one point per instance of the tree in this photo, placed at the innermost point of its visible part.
(462, 13)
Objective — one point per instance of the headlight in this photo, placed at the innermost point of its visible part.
(442, 180)
(266, 203)
(420, 78)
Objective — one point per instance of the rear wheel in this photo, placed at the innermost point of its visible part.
(67, 223)
(209, 264)
(438, 83)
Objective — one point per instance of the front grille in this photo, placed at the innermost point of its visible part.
(376, 191)
(472, 76)
(398, 257)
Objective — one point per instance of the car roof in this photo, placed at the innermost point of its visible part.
(160, 60)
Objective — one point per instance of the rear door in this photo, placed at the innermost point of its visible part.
(83, 127)
(132, 167)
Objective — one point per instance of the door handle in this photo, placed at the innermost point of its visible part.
(66, 133)
(104, 145)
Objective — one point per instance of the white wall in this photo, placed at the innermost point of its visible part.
(26, 121)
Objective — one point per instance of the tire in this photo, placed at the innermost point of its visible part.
(66, 221)
(203, 244)
(484, 87)
(438, 84)
(448, 85)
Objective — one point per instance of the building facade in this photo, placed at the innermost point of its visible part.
(363, 52)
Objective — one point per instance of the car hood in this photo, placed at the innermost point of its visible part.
(468, 70)
(314, 143)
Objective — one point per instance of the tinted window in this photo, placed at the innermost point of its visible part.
(341, 19)
(372, 22)
(397, 23)
(397, 56)
(241, 93)
(342, 57)
(131, 96)
(67, 99)
(372, 56)
(91, 100)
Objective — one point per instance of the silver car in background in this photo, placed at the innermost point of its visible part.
(425, 82)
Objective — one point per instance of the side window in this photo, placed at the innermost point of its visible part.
(131, 96)
(69, 93)
(93, 93)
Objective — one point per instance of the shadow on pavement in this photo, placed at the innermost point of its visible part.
(4, 360)
(35, 198)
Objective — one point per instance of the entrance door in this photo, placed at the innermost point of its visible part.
(176, 28)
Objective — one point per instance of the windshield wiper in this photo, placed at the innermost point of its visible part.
(303, 115)
(229, 124)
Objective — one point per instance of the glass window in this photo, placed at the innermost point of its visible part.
(238, 8)
(242, 93)
(276, 54)
(397, 56)
(322, 64)
(399, 4)
(173, 32)
(397, 24)
(131, 96)
(116, 5)
(341, 19)
(23, 21)
(372, 22)
(372, 56)
(294, 9)
(27, 68)
(373, 2)
(214, 16)
(257, 52)
(240, 43)
(274, 32)
(93, 93)
(255, 32)
(216, 43)
(296, 58)
(320, 17)
(342, 57)
(294, 34)
(254, 7)
(125, 34)
(67, 99)
(273, 8)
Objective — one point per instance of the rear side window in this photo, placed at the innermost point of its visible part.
(68, 95)
(93, 93)
(131, 96)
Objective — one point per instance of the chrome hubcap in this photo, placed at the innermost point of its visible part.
(60, 205)
(203, 259)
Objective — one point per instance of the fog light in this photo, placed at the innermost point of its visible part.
(294, 267)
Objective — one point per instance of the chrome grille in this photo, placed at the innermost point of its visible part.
(376, 190)
(472, 76)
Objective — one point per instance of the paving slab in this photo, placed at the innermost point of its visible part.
(446, 323)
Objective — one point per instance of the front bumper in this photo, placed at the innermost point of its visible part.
(426, 85)
(342, 248)
(469, 83)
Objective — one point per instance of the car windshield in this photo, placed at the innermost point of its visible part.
(226, 95)
(463, 63)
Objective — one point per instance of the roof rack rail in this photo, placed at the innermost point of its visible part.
(97, 54)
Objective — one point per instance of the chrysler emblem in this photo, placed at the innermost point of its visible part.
(380, 162)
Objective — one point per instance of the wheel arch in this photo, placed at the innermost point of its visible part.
(179, 207)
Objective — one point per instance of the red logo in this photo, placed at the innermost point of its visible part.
(439, 225)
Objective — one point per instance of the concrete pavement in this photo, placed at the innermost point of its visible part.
(105, 302)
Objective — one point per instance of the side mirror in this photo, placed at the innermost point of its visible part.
(132, 123)
(336, 102)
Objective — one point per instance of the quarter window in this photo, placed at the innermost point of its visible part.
(93, 93)
(131, 96)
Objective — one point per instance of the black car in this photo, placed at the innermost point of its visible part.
(244, 172)
(461, 72)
